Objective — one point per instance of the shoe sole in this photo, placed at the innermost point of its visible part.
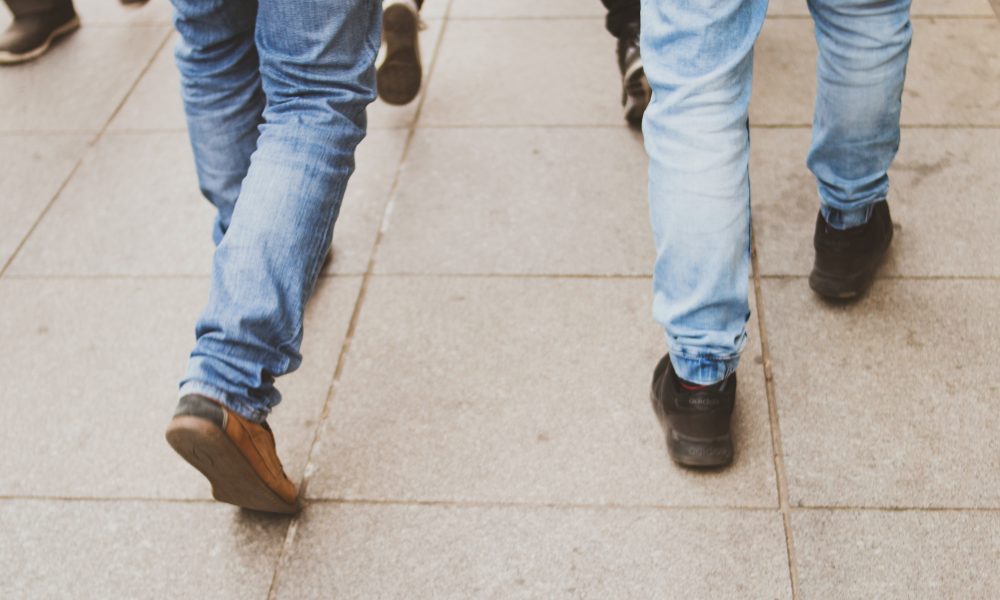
(833, 287)
(399, 76)
(208, 449)
(694, 452)
(699, 452)
(637, 94)
(9, 58)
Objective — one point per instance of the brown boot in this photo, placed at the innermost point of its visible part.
(237, 456)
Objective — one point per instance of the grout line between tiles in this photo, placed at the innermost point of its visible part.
(772, 410)
(459, 504)
(285, 553)
(79, 161)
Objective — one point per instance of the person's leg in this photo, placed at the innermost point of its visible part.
(623, 22)
(316, 70)
(399, 71)
(863, 49)
(35, 25)
(622, 15)
(699, 63)
(223, 99)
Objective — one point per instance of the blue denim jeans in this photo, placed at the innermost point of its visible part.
(275, 93)
(698, 57)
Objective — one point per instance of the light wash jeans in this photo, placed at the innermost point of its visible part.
(698, 57)
(275, 93)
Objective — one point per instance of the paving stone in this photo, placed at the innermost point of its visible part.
(920, 8)
(32, 169)
(155, 103)
(90, 381)
(949, 61)
(514, 9)
(80, 549)
(135, 206)
(910, 554)
(520, 390)
(80, 81)
(888, 402)
(538, 201)
(943, 199)
(132, 208)
(390, 551)
(525, 72)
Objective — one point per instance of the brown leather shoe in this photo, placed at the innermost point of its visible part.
(237, 456)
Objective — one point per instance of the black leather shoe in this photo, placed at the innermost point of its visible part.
(696, 422)
(846, 260)
(30, 35)
(636, 92)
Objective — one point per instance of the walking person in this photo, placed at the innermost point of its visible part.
(275, 93)
(699, 58)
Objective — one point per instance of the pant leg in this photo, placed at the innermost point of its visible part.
(698, 59)
(317, 73)
(621, 13)
(20, 8)
(863, 48)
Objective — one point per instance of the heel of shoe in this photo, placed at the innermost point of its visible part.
(700, 452)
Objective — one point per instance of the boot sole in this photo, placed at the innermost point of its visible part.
(208, 449)
(9, 58)
(699, 452)
(399, 76)
(637, 94)
(691, 451)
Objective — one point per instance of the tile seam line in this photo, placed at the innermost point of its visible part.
(79, 162)
(510, 276)
(284, 553)
(776, 17)
(485, 126)
(781, 478)
(514, 504)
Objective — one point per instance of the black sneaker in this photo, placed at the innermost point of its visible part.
(636, 92)
(696, 422)
(30, 35)
(399, 71)
(846, 260)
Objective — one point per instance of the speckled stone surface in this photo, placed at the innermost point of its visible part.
(901, 383)
(392, 551)
(897, 554)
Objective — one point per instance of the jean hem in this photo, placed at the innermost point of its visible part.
(234, 403)
(705, 369)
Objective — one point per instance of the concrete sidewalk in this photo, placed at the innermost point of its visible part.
(472, 415)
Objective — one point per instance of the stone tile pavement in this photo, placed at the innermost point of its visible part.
(471, 417)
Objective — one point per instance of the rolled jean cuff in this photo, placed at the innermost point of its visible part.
(703, 370)
(234, 403)
(846, 219)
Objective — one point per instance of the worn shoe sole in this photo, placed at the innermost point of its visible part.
(10, 58)
(399, 74)
(208, 449)
(838, 287)
(636, 94)
(696, 452)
